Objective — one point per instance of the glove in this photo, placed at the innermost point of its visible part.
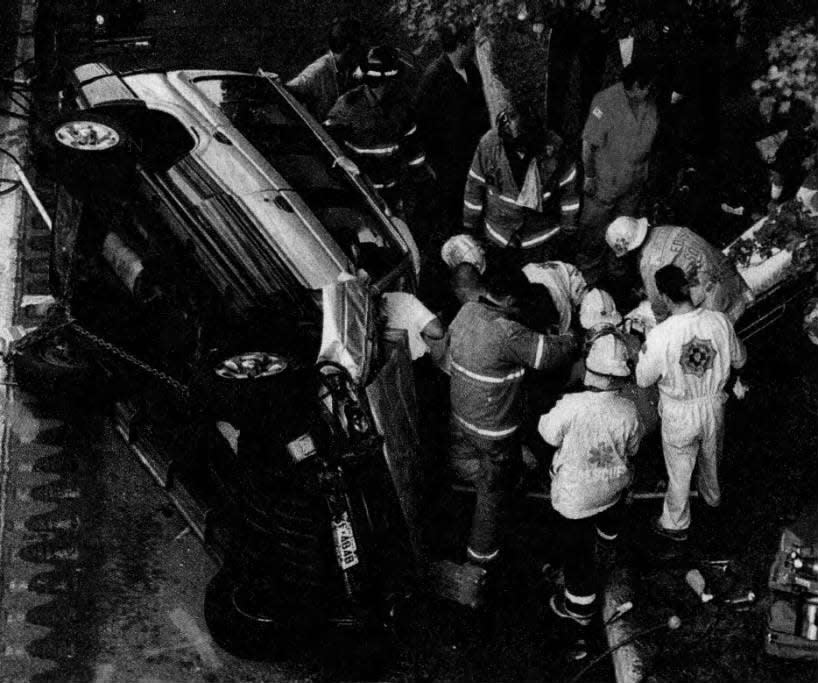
(740, 389)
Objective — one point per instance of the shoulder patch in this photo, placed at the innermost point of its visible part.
(597, 112)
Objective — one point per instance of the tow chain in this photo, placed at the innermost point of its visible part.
(181, 389)
(49, 329)
(59, 318)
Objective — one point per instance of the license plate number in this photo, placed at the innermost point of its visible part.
(345, 548)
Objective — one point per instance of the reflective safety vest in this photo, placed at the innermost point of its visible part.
(530, 215)
(488, 357)
(380, 136)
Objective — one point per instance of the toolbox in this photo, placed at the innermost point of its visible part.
(792, 619)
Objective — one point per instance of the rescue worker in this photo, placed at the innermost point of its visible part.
(715, 284)
(597, 434)
(489, 351)
(689, 356)
(375, 123)
(564, 283)
(321, 83)
(451, 116)
(522, 188)
(616, 146)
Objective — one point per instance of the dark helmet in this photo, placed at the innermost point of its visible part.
(382, 64)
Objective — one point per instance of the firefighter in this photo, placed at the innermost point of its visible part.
(522, 188)
(715, 283)
(489, 351)
(321, 83)
(689, 356)
(564, 283)
(375, 123)
(597, 434)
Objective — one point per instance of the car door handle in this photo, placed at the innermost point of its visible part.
(282, 203)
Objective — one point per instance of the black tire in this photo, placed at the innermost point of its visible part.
(246, 400)
(258, 626)
(54, 368)
(86, 169)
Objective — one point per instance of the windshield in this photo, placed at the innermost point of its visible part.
(263, 116)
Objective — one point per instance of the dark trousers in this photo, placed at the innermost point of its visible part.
(492, 465)
(577, 545)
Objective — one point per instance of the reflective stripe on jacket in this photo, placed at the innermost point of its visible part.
(381, 136)
(495, 203)
(488, 354)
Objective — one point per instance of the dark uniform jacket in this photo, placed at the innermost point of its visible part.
(488, 355)
(495, 202)
(381, 136)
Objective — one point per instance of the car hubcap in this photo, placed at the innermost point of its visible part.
(253, 365)
(87, 135)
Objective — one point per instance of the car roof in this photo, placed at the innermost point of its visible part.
(223, 163)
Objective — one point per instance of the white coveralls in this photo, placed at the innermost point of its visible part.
(564, 282)
(690, 355)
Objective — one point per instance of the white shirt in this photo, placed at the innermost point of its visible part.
(690, 355)
(596, 434)
(405, 312)
(565, 283)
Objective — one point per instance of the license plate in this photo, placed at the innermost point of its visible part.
(301, 448)
(345, 547)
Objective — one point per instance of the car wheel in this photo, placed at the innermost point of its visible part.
(85, 150)
(251, 621)
(239, 386)
(86, 131)
(54, 368)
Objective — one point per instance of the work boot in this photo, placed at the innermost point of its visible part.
(559, 606)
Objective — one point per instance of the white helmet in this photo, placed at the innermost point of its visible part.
(463, 249)
(598, 308)
(626, 234)
(608, 355)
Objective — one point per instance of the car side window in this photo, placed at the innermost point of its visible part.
(269, 123)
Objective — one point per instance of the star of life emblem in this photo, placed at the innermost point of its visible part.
(697, 356)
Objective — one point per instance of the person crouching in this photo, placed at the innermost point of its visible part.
(597, 433)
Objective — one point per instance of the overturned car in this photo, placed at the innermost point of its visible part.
(218, 263)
